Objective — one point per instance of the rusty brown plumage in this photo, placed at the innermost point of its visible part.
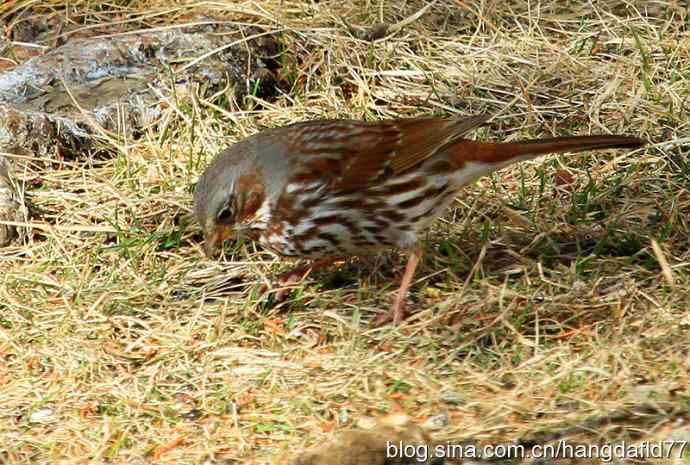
(337, 188)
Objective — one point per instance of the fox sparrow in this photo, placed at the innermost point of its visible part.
(328, 189)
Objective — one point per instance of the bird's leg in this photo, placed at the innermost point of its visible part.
(297, 274)
(396, 313)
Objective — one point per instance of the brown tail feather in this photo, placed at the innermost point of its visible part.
(499, 153)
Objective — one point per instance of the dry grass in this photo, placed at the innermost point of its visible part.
(540, 302)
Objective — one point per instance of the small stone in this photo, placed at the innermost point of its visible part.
(684, 322)
(436, 422)
(343, 416)
(452, 397)
(579, 288)
(296, 333)
(193, 415)
(40, 416)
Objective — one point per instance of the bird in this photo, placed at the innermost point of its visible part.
(330, 189)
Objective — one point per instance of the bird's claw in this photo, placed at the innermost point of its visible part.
(285, 281)
(395, 315)
(289, 278)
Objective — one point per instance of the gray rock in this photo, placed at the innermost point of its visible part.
(52, 104)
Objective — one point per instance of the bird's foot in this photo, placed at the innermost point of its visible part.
(395, 315)
(286, 280)
(289, 278)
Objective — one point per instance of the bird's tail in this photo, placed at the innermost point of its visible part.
(503, 154)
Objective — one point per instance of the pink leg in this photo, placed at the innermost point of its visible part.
(396, 313)
(296, 275)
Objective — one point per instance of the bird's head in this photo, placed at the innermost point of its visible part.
(228, 198)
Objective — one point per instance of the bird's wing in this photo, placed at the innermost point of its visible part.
(348, 154)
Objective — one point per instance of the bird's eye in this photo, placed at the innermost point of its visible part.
(225, 215)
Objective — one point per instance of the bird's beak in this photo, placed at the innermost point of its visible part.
(213, 240)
